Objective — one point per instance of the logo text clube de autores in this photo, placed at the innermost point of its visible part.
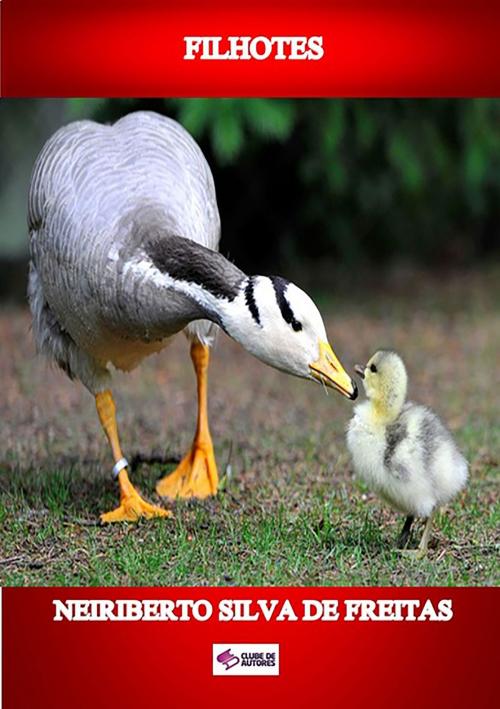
(258, 48)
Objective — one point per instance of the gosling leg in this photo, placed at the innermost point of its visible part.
(424, 542)
(405, 532)
(421, 551)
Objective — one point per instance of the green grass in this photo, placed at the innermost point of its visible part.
(314, 536)
(289, 512)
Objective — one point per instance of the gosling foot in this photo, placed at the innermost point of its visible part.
(413, 553)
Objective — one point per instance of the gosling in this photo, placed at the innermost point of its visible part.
(402, 450)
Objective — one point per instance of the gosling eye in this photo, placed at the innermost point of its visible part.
(373, 368)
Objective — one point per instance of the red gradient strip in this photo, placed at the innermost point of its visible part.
(342, 664)
(372, 48)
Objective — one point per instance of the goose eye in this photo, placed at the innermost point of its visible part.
(373, 368)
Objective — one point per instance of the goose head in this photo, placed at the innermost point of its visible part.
(279, 323)
(270, 317)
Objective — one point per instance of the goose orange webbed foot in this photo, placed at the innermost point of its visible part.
(132, 507)
(195, 476)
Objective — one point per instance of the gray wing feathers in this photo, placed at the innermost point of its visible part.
(57, 345)
(99, 172)
(87, 178)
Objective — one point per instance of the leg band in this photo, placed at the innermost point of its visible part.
(119, 465)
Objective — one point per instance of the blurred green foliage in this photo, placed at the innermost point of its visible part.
(346, 181)
(356, 181)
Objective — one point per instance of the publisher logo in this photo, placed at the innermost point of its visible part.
(245, 659)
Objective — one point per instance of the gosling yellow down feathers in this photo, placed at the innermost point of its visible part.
(402, 450)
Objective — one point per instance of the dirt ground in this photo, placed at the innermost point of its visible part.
(289, 511)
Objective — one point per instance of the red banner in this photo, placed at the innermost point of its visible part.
(385, 647)
(369, 48)
(188, 647)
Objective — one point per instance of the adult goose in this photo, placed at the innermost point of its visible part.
(124, 231)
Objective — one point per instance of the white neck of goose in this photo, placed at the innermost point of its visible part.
(270, 317)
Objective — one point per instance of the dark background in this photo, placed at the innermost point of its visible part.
(319, 190)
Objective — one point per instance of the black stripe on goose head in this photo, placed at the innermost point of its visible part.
(185, 260)
(250, 300)
(280, 285)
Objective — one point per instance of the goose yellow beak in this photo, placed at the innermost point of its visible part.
(328, 370)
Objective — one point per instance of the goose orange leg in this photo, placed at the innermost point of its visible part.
(196, 474)
(132, 506)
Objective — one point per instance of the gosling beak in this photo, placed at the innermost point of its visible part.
(328, 370)
(359, 369)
